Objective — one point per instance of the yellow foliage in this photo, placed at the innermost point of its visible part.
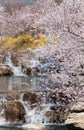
(26, 41)
(22, 42)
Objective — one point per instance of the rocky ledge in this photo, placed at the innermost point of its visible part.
(75, 120)
(5, 70)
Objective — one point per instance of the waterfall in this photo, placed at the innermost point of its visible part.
(35, 65)
(35, 115)
(38, 114)
(40, 67)
(17, 71)
(35, 118)
(9, 61)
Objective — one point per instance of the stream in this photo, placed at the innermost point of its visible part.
(22, 86)
(53, 127)
(21, 83)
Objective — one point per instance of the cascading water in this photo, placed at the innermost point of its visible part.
(34, 64)
(35, 117)
(17, 71)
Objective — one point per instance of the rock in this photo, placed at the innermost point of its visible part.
(51, 116)
(30, 97)
(28, 71)
(31, 71)
(5, 70)
(14, 112)
(75, 119)
(78, 107)
(35, 71)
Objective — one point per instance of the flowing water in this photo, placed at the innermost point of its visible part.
(49, 127)
(35, 119)
(22, 83)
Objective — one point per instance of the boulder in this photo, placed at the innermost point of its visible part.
(75, 119)
(14, 112)
(28, 71)
(30, 97)
(31, 71)
(5, 70)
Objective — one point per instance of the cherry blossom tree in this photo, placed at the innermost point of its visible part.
(16, 23)
(49, 15)
(68, 16)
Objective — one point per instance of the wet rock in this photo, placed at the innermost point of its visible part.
(5, 70)
(35, 71)
(30, 97)
(75, 119)
(14, 112)
(51, 116)
(28, 71)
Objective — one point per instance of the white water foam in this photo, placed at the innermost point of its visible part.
(32, 126)
(36, 115)
(34, 63)
(3, 122)
(17, 71)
